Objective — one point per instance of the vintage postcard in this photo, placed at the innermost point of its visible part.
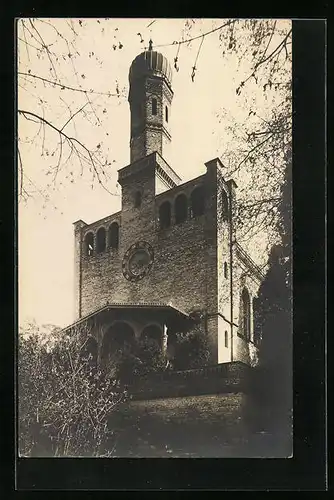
(155, 237)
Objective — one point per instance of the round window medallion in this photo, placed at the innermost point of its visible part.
(137, 261)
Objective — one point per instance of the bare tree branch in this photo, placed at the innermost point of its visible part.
(257, 146)
(72, 116)
(63, 86)
(270, 38)
(46, 47)
(71, 140)
(197, 37)
(280, 46)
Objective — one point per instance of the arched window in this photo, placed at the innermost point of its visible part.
(153, 334)
(101, 240)
(88, 353)
(166, 113)
(164, 215)
(197, 202)
(181, 208)
(118, 338)
(225, 270)
(154, 106)
(245, 317)
(226, 338)
(256, 322)
(89, 244)
(113, 235)
(224, 205)
(137, 199)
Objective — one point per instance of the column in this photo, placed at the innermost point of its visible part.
(164, 339)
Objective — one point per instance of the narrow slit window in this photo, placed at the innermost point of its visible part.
(154, 106)
(225, 270)
(166, 113)
(225, 206)
(226, 338)
(256, 322)
(137, 199)
(245, 314)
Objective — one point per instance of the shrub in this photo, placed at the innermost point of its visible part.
(141, 359)
(191, 349)
(64, 400)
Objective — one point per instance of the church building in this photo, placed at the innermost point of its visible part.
(169, 258)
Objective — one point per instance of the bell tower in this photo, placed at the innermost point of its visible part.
(150, 99)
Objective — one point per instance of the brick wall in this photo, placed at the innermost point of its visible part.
(151, 132)
(180, 251)
(188, 268)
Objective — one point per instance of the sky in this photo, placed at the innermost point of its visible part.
(199, 123)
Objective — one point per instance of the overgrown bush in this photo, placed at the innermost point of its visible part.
(64, 400)
(68, 405)
(191, 349)
(140, 359)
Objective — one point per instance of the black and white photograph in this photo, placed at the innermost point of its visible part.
(154, 162)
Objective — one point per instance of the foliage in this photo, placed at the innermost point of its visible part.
(191, 349)
(256, 151)
(144, 357)
(275, 313)
(68, 406)
(64, 400)
(275, 306)
(62, 108)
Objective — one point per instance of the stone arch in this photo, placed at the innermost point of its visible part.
(101, 240)
(152, 333)
(118, 337)
(197, 201)
(89, 244)
(181, 208)
(113, 235)
(165, 215)
(245, 314)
